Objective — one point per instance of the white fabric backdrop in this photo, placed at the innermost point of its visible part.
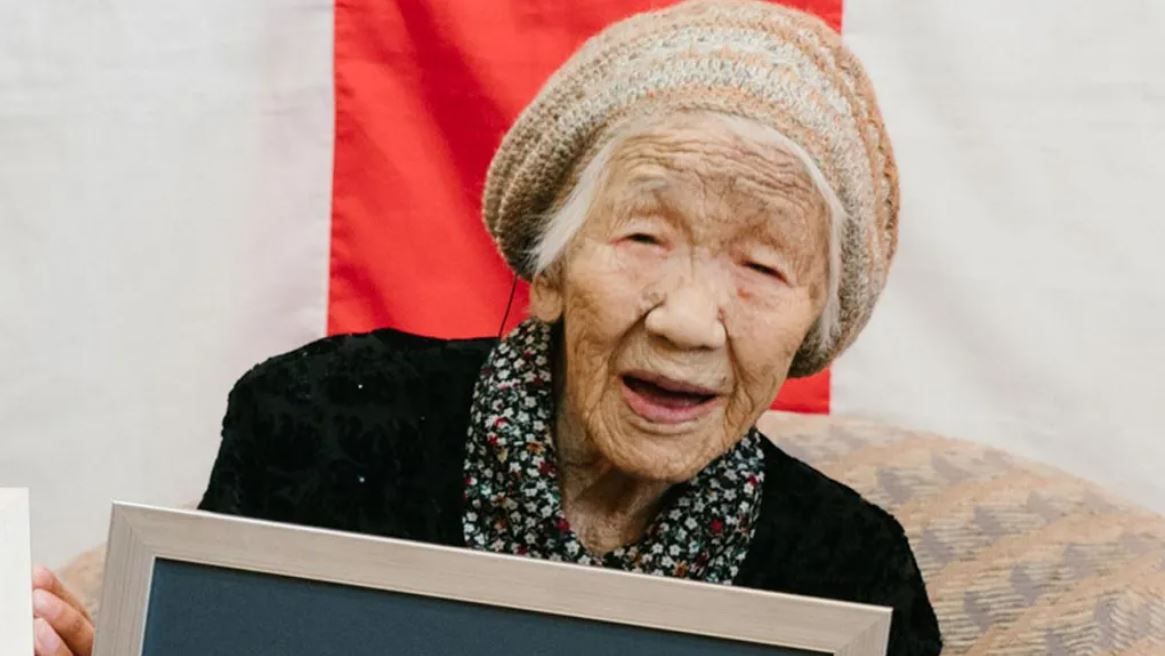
(1026, 306)
(165, 172)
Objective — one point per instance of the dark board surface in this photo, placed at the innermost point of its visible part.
(210, 611)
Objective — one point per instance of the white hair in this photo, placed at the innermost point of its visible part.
(567, 220)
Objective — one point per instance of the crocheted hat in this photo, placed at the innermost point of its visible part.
(772, 64)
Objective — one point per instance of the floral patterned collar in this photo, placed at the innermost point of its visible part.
(513, 503)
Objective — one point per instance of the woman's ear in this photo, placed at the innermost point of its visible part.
(546, 296)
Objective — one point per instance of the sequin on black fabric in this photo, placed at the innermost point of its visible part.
(513, 502)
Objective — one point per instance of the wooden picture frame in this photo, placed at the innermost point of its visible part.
(141, 537)
(15, 573)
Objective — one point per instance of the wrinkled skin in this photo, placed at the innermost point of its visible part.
(703, 259)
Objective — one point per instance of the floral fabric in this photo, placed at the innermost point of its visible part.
(513, 501)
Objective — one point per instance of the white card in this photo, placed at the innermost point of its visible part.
(15, 573)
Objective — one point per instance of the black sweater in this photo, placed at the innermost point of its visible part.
(366, 433)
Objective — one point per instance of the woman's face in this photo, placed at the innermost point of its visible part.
(700, 269)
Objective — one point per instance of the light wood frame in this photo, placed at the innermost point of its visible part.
(139, 535)
(15, 573)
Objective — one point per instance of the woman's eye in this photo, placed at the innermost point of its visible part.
(765, 270)
(644, 238)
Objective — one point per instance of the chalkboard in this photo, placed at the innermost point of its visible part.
(212, 611)
(212, 585)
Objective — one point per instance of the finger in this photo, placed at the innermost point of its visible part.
(48, 643)
(68, 622)
(43, 578)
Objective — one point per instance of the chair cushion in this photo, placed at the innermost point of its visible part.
(1018, 558)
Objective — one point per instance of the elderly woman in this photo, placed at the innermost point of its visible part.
(704, 201)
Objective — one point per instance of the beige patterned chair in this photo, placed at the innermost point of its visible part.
(1018, 558)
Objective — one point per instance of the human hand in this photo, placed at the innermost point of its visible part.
(62, 626)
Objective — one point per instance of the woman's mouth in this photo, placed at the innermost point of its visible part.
(664, 400)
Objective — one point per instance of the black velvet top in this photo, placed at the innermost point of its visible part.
(367, 433)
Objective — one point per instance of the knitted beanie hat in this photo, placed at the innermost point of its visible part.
(778, 66)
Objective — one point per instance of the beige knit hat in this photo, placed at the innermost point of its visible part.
(775, 65)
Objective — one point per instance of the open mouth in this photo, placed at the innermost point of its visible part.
(664, 400)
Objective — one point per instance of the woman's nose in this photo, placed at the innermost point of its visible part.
(689, 318)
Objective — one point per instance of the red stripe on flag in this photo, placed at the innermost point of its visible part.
(424, 92)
